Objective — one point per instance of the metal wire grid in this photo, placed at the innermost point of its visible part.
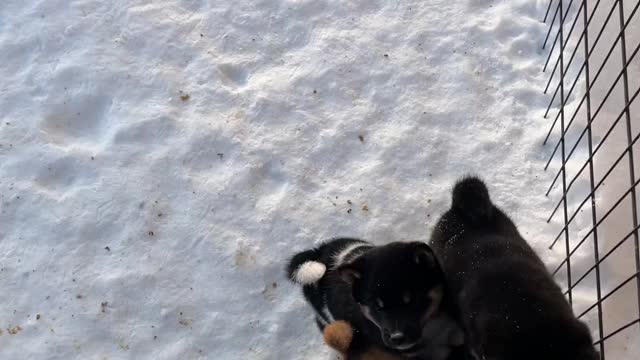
(572, 39)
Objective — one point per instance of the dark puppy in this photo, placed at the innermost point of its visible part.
(387, 293)
(513, 308)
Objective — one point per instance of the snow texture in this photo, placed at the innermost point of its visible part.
(161, 160)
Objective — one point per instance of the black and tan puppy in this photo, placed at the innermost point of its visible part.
(392, 295)
(512, 307)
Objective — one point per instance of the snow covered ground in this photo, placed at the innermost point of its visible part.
(607, 100)
(160, 160)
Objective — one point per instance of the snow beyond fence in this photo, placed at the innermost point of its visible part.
(160, 160)
(606, 101)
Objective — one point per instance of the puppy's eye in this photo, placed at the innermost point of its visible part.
(379, 304)
(406, 297)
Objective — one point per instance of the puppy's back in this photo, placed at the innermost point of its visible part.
(515, 309)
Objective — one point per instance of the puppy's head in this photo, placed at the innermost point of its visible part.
(399, 287)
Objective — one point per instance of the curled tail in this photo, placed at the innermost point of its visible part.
(305, 267)
(471, 200)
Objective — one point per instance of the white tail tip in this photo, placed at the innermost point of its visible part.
(309, 272)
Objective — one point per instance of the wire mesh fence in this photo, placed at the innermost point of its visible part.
(593, 68)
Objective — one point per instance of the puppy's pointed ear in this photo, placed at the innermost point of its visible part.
(351, 272)
(423, 255)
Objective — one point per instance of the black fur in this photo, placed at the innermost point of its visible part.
(513, 308)
(392, 284)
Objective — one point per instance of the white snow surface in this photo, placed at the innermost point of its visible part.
(161, 160)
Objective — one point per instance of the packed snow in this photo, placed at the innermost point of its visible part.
(161, 160)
